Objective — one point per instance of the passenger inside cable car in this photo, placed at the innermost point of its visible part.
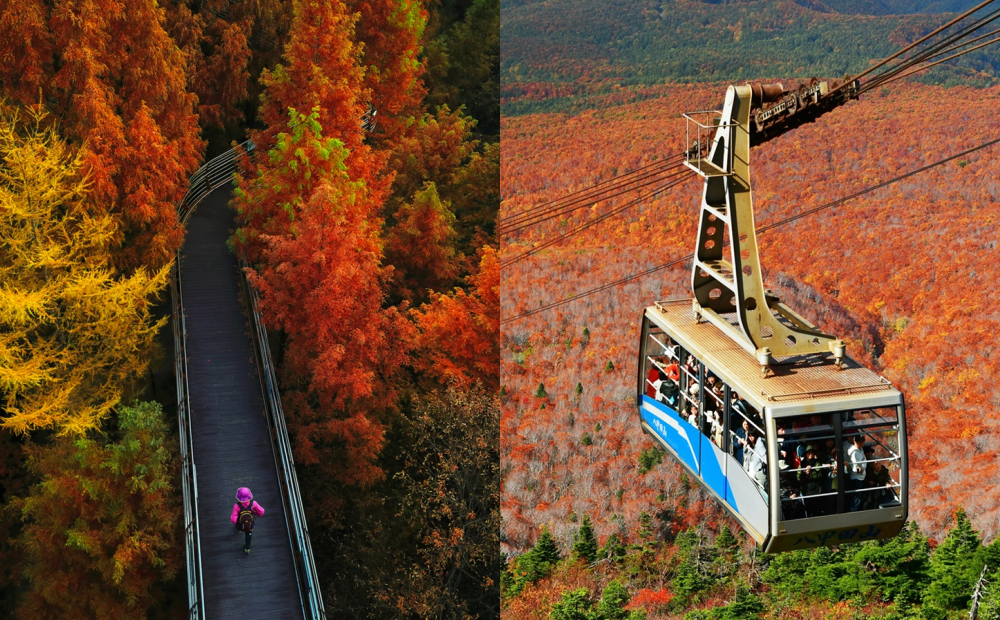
(674, 378)
(811, 471)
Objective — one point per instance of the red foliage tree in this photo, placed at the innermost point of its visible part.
(650, 599)
(322, 284)
(116, 82)
(271, 200)
(421, 245)
(434, 149)
(390, 33)
(321, 75)
(459, 340)
(218, 52)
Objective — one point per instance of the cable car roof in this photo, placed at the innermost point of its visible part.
(795, 385)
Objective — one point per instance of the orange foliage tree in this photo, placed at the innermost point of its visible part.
(432, 149)
(389, 33)
(320, 77)
(116, 83)
(435, 150)
(98, 530)
(421, 246)
(322, 284)
(218, 52)
(269, 201)
(459, 340)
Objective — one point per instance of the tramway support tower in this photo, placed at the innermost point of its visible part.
(764, 327)
(810, 452)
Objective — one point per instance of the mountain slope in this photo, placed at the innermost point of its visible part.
(589, 41)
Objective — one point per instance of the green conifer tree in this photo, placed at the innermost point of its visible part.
(545, 549)
(897, 567)
(834, 574)
(725, 541)
(726, 549)
(533, 565)
(745, 606)
(990, 556)
(613, 601)
(785, 572)
(540, 392)
(574, 605)
(585, 543)
(650, 458)
(613, 548)
(989, 606)
(646, 533)
(692, 576)
(952, 571)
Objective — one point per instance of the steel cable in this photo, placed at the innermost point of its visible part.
(593, 222)
(915, 70)
(918, 42)
(760, 231)
(588, 193)
(932, 51)
(659, 177)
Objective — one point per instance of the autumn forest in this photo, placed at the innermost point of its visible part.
(458, 378)
(600, 522)
(385, 344)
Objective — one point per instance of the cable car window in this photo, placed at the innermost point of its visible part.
(883, 415)
(662, 370)
(715, 409)
(742, 418)
(690, 388)
(807, 464)
(838, 463)
(872, 465)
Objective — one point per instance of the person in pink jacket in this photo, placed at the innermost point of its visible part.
(243, 515)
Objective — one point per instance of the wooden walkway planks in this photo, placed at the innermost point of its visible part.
(232, 441)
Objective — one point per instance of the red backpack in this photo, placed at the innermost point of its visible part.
(245, 519)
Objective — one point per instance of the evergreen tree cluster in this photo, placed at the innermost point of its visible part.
(577, 605)
(532, 566)
(903, 578)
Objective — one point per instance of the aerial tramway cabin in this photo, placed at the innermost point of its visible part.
(800, 443)
(806, 403)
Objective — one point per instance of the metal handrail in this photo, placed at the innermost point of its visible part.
(189, 475)
(214, 174)
(269, 384)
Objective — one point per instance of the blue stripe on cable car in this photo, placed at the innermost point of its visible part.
(690, 446)
(682, 438)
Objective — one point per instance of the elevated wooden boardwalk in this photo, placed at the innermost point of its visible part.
(232, 444)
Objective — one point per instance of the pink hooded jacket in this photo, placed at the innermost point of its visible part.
(244, 497)
(257, 510)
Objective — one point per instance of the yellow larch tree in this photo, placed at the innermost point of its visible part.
(73, 335)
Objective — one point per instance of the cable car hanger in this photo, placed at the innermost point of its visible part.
(765, 327)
